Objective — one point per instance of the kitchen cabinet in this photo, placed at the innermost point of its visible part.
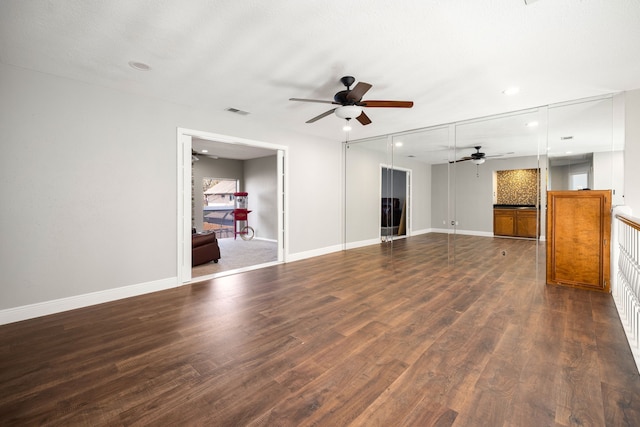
(515, 222)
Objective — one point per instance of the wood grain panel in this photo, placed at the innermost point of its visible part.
(578, 230)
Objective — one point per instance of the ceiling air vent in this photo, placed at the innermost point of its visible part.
(235, 110)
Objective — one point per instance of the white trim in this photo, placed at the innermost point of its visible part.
(463, 232)
(230, 272)
(316, 252)
(282, 204)
(45, 308)
(184, 168)
(362, 243)
(423, 231)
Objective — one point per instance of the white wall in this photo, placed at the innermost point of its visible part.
(88, 183)
(632, 151)
(261, 182)
(608, 174)
(363, 194)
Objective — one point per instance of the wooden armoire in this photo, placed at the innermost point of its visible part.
(578, 238)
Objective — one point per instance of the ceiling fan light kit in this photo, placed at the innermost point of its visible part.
(348, 111)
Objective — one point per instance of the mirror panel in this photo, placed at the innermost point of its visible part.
(363, 160)
(507, 144)
(583, 150)
(441, 190)
(415, 153)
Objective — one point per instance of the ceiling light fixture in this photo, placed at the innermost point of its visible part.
(140, 66)
(511, 91)
(347, 126)
(348, 111)
(478, 161)
(398, 144)
(532, 124)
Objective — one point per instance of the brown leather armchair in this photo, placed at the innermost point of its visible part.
(204, 248)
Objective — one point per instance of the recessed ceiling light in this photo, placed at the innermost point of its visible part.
(399, 144)
(205, 151)
(511, 91)
(532, 124)
(140, 66)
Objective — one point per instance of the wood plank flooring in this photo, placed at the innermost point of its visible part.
(402, 334)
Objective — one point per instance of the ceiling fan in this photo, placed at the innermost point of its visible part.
(477, 158)
(350, 102)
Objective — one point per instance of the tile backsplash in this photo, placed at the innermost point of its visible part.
(517, 187)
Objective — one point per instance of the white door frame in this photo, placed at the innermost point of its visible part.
(184, 138)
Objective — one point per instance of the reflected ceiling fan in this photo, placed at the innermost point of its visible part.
(477, 158)
(350, 103)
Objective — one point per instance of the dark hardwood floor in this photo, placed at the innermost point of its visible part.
(388, 335)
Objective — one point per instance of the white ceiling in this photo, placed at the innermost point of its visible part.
(452, 58)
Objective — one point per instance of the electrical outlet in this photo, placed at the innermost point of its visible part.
(504, 253)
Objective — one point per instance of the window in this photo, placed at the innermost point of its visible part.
(218, 203)
(578, 181)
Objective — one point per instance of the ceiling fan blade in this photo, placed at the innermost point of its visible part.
(325, 114)
(464, 159)
(313, 100)
(363, 119)
(358, 91)
(389, 104)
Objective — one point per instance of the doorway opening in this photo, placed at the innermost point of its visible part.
(394, 202)
(255, 167)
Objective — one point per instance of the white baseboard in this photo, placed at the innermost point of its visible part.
(313, 253)
(423, 231)
(463, 232)
(363, 243)
(45, 308)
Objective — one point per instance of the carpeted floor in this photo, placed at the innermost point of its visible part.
(238, 253)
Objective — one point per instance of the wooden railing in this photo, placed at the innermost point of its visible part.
(626, 277)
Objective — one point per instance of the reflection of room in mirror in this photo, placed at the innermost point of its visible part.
(461, 193)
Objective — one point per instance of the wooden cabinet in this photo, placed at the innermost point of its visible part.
(515, 222)
(527, 223)
(578, 238)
